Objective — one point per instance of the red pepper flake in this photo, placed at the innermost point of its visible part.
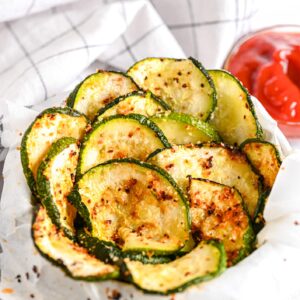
(72, 153)
(207, 164)
(52, 117)
(116, 295)
(7, 291)
(169, 166)
(130, 134)
(172, 297)
(88, 128)
(184, 85)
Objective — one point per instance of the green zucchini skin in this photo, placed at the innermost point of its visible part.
(248, 102)
(259, 221)
(43, 184)
(60, 264)
(267, 169)
(162, 103)
(212, 93)
(210, 82)
(277, 158)
(188, 120)
(144, 121)
(71, 100)
(75, 198)
(24, 155)
(125, 273)
(72, 97)
(109, 253)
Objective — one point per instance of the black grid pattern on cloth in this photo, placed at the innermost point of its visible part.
(129, 43)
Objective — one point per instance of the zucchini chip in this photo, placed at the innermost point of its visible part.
(74, 260)
(184, 129)
(189, 245)
(119, 137)
(99, 89)
(55, 177)
(203, 263)
(143, 103)
(51, 125)
(217, 212)
(182, 83)
(234, 117)
(265, 158)
(108, 253)
(215, 162)
(133, 205)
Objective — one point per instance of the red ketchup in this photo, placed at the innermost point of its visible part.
(268, 64)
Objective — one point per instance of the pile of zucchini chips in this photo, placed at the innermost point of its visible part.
(157, 177)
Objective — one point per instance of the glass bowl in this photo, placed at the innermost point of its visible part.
(290, 129)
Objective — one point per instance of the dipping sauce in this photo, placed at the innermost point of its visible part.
(268, 64)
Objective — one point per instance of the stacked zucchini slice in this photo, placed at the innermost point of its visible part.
(133, 181)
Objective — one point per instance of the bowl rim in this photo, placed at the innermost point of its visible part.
(252, 33)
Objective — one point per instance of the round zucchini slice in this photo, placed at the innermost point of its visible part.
(119, 137)
(99, 89)
(218, 212)
(203, 263)
(143, 103)
(55, 178)
(51, 125)
(215, 162)
(184, 129)
(182, 83)
(133, 205)
(74, 260)
(265, 158)
(234, 117)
